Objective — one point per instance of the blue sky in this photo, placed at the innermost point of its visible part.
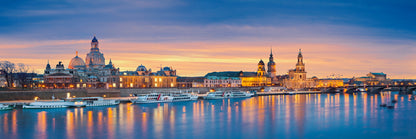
(381, 29)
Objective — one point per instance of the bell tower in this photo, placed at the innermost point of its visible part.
(261, 70)
(271, 66)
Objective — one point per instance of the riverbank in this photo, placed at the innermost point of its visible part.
(44, 94)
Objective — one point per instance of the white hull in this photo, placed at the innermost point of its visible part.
(5, 107)
(160, 101)
(227, 95)
(93, 101)
(52, 105)
(103, 103)
(164, 98)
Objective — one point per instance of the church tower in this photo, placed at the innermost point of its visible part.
(261, 69)
(271, 66)
(300, 66)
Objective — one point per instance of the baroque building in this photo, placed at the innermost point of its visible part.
(297, 77)
(143, 78)
(90, 74)
(271, 66)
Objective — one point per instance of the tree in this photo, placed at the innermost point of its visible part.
(8, 68)
(22, 75)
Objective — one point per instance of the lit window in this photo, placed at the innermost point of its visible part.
(155, 79)
(131, 84)
(121, 79)
(114, 84)
(121, 85)
(160, 79)
(155, 84)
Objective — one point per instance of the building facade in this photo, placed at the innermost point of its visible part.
(90, 74)
(143, 78)
(297, 77)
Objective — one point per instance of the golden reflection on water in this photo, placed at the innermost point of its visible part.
(90, 124)
(5, 123)
(41, 125)
(69, 124)
(14, 122)
(259, 112)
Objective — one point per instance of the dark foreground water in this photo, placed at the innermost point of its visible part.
(298, 116)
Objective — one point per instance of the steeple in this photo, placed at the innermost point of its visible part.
(300, 57)
(110, 63)
(94, 44)
(271, 66)
(300, 66)
(76, 53)
(48, 66)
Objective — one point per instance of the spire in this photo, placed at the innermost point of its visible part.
(110, 62)
(76, 52)
(271, 51)
(94, 39)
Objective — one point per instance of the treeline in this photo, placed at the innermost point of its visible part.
(16, 75)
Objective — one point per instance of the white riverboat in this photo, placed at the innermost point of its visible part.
(228, 94)
(164, 97)
(93, 101)
(6, 107)
(52, 104)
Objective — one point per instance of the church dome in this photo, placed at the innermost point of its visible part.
(166, 69)
(95, 58)
(261, 62)
(76, 62)
(141, 68)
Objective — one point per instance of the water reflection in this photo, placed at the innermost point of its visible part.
(296, 116)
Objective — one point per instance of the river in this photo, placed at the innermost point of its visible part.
(296, 116)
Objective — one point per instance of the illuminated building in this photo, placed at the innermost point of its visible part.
(329, 82)
(230, 79)
(189, 82)
(143, 78)
(297, 77)
(90, 74)
(216, 81)
(371, 79)
(58, 77)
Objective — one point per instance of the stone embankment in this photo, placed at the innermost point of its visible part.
(7, 95)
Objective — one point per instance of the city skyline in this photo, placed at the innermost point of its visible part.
(163, 33)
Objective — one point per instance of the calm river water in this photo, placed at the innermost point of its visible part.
(298, 116)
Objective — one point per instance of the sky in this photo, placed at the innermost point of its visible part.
(347, 38)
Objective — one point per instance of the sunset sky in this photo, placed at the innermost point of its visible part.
(349, 38)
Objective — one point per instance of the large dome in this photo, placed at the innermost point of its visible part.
(95, 58)
(76, 63)
(141, 68)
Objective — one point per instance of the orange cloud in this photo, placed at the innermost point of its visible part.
(199, 58)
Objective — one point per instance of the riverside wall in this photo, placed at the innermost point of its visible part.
(201, 90)
(57, 93)
(6, 95)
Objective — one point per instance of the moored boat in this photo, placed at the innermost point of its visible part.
(93, 101)
(164, 97)
(52, 104)
(228, 94)
(6, 107)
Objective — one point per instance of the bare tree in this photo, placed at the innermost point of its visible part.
(22, 75)
(8, 68)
